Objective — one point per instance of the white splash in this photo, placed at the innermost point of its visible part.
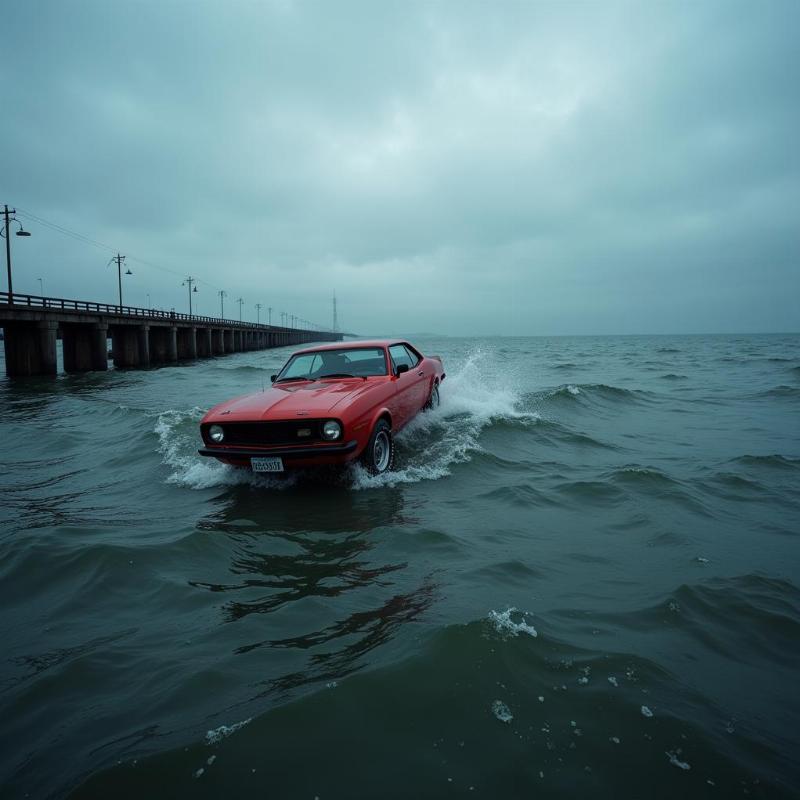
(573, 390)
(472, 398)
(178, 439)
(675, 761)
(224, 731)
(646, 712)
(505, 625)
(435, 441)
(502, 711)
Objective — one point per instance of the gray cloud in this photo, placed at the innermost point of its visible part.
(462, 167)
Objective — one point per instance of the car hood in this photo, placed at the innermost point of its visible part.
(289, 401)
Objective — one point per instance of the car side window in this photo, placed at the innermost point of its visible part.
(399, 356)
(413, 356)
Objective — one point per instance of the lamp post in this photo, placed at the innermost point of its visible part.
(258, 313)
(188, 282)
(269, 315)
(222, 295)
(6, 232)
(241, 303)
(149, 306)
(41, 286)
(119, 260)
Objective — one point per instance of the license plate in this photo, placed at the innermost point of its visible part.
(266, 464)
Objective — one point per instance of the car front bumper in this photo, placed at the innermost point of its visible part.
(244, 453)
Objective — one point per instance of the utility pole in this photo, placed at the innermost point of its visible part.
(258, 313)
(222, 295)
(9, 218)
(335, 316)
(188, 282)
(118, 260)
(269, 312)
(241, 303)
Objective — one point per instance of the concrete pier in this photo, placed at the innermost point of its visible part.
(139, 337)
(163, 345)
(30, 349)
(204, 343)
(187, 343)
(85, 347)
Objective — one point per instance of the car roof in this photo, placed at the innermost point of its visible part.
(357, 343)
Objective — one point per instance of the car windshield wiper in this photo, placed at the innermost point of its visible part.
(337, 375)
(296, 378)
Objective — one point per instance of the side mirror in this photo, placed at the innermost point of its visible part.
(401, 368)
(272, 378)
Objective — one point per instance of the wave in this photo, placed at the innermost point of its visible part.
(671, 376)
(774, 461)
(781, 391)
(589, 393)
(491, 691)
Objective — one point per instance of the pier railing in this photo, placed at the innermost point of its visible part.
(62, 304)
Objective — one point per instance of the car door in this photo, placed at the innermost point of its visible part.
(421, 388)
(405, 385)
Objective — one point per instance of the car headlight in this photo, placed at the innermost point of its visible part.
(331, 430)
(216, 434)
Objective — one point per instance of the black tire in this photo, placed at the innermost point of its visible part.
(433, 399)
(378, 456)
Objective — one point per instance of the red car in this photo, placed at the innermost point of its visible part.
(328, 405)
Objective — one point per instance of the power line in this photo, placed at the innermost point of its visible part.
(102, 246)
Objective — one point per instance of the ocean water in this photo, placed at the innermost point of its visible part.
(582, 580)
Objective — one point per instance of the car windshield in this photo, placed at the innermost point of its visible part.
(345, 362)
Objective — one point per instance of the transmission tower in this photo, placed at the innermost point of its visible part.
(335, 317)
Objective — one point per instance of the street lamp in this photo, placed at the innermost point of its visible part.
(41, 286)
(222, 295)
(241, 303)
(118, 260)
(258, 313)
(188, 282)
(5, 233)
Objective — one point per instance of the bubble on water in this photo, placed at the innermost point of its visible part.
(199, 772)
(502, 711)
(614, 739)
(511, 622)
(613, 681)
(646, 712)
(675, 761)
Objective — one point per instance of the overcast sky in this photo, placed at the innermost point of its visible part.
(456, 167)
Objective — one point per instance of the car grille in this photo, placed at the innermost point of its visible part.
(271, 433)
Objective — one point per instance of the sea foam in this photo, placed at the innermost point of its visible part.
(511, 622)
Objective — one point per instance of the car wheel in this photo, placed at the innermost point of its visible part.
(379, 454)
(433, 400)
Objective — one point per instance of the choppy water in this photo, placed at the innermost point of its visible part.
(582, 581)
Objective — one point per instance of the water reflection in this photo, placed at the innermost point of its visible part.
(331, 549)
(315, 505)
(373, 628)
